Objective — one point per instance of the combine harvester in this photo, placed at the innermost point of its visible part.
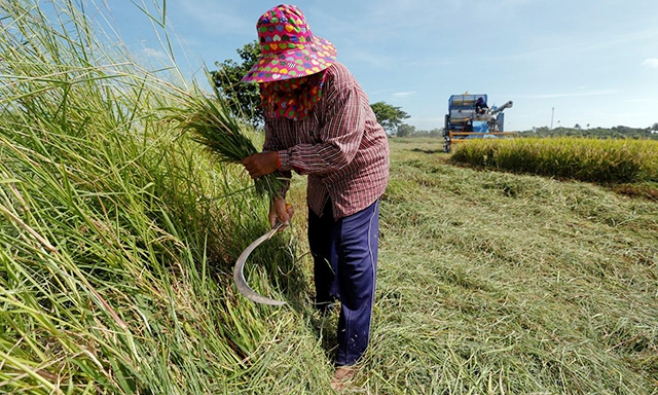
(470, 117)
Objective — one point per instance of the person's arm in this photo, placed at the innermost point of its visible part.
(272, 142)
(340, 136)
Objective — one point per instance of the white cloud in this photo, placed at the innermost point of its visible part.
(221, 17)
(154, 53)
(651, 63)
(646, 100)
(403, 94)
(572, 94)
(562, 45)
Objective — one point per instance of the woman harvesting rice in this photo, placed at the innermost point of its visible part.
(318, 123)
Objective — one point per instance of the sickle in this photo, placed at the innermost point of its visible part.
(238, 271)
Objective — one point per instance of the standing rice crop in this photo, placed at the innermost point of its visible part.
(115, 234)
(590, 160)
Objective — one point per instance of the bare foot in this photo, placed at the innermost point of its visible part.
(342, 378)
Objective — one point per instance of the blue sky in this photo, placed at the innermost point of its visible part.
(575, 62)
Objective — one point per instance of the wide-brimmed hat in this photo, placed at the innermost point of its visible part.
(288, 48)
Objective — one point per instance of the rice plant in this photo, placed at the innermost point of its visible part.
(116, 234)
(593, 160)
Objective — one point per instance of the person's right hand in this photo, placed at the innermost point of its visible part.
(261, 164)
(280, 210)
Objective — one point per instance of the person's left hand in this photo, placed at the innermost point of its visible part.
(261, 164)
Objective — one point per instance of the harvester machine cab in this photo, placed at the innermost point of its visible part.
(469, 116)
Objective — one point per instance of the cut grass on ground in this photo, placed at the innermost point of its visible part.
(117, 236)
(498, 283)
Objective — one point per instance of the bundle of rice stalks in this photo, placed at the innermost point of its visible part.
(212, 125)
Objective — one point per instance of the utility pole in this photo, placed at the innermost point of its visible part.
(552, 114)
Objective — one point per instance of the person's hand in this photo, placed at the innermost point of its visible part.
(261, 164)
(280, 210)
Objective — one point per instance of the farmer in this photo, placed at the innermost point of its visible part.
(318, 123)
(481, 106)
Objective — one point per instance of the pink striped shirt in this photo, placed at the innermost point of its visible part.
(340, 146)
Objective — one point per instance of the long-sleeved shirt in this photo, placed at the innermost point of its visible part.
(340, 146)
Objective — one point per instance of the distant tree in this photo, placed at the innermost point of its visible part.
(413, 132)
(243, 98)
(405, 130)
(577, 127)
(616, 132)
(390, 117)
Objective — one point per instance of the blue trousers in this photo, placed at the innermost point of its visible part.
(345, 259)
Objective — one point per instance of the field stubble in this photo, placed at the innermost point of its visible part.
(499, 283)
(118, 235)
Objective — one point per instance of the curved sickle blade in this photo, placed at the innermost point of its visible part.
(238, 272)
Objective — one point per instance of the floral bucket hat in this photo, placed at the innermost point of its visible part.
(288, 48)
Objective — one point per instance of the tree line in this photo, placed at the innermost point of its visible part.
(615, 132)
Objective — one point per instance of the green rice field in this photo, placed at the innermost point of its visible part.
(118, 235)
